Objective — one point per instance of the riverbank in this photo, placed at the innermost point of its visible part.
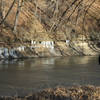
(47, 49)
(38, 27)
(62, 93)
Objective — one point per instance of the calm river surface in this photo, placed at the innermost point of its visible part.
(26, 76)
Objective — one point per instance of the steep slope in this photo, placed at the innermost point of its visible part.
(32, 22)
(51, 20)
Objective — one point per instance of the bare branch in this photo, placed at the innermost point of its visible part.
(8, 12)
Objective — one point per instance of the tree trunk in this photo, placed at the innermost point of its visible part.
(17, 15)
(2, 11)
(9, 10)
(36, 2)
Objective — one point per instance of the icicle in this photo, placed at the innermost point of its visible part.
(32, 42)
(6, 54)
(67, 42)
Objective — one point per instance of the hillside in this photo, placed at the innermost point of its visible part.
(50, 20)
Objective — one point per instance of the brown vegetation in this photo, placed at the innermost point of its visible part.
(43, 20)
(36, 17)
(62, 93)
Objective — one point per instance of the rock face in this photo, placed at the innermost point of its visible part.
(49, 21)
(6, 53)
(47, 49)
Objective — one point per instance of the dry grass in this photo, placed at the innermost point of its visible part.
(62, 93)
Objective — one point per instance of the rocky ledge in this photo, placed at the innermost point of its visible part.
(47, 49)
(62, 93)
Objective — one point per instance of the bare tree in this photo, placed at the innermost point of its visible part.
(9, 10)
(20, 2)
(36, 3)
(2, 9)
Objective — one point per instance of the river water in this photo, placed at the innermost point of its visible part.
(20, 77)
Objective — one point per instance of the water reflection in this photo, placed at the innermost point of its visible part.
(47, 61)
(34, 74)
